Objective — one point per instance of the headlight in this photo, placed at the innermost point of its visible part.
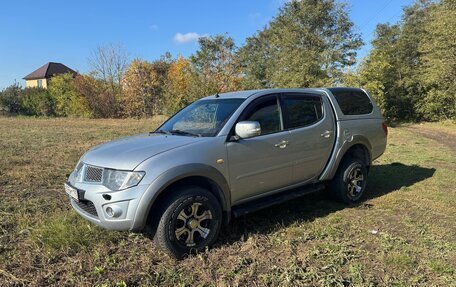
(76, 174)
(118, 179)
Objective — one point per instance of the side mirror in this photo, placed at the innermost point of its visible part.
(248, 129)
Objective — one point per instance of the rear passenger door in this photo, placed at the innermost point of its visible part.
(310, 121)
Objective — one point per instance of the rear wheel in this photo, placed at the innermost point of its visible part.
(190, 223)
(350, 180)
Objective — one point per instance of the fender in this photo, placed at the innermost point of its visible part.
(173, 175)
(334, 162)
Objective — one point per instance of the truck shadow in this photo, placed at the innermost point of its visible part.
(383, 179)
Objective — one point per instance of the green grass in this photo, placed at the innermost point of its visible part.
(402, 234)
(67, 232)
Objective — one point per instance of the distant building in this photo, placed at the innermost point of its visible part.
(40, 77)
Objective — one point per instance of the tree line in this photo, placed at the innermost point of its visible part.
(410, 69)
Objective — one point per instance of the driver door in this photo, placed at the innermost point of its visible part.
(262, 163)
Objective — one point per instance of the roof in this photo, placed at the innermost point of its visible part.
(343, 89)
(236, 94)
(248, 93)
(48, 70)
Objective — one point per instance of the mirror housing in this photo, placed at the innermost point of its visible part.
(248, 129)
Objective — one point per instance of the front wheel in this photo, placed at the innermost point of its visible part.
(191, 222)
(350, 180)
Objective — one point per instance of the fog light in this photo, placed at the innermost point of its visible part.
(109, 211)
(113, 211)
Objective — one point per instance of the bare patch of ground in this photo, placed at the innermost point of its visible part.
(442, 137)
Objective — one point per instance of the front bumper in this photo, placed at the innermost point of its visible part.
(114, 210)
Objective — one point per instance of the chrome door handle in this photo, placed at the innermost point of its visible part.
(282, 144)
(326, 134)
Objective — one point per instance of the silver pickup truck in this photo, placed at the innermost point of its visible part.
(226, 155)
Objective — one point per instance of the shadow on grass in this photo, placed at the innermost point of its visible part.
(382, 180)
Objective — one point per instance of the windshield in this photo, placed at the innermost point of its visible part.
(202, 118)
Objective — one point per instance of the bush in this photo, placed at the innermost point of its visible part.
(100, 97)
(37, 102)
(68, 102)
(10, 99)
(438, 105)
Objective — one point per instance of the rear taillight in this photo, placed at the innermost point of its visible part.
(385, 128)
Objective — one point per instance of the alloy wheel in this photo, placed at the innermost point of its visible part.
(355, 182)
(192, 224)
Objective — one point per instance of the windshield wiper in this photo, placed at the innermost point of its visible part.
(184, 133)
(161, 132)
(176, 132)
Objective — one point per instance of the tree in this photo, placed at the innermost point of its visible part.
(409, 63)
(308, 43)
(109, 63)
(379, 70)
(439, 63)
(161, 67)
(68, 102)
(254, 57)
(98, 95)
(140, 85)
(181, 86)
(391, 71)
(216, 65)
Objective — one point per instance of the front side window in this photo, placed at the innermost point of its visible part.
(201, 118)
(301, 110)
(267, 113)
(39, 83)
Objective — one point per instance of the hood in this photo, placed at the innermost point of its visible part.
(127, 153)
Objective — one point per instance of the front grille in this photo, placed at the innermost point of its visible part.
(93, 174)
(87, 206)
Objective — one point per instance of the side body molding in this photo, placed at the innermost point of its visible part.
(175, 174)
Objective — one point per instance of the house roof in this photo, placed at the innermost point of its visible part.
(48, 70)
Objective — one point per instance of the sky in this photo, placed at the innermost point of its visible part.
(33, 33)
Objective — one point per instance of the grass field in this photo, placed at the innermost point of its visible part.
(402, 234)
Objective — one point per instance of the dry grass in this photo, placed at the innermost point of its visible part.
(403, 234)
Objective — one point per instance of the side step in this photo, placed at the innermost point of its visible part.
(255, 205)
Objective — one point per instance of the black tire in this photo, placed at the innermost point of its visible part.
(189, 212)
(349, 183)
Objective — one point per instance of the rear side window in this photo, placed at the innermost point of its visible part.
(352, 102)
(301, 110)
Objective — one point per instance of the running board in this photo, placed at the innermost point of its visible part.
(274, 199)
